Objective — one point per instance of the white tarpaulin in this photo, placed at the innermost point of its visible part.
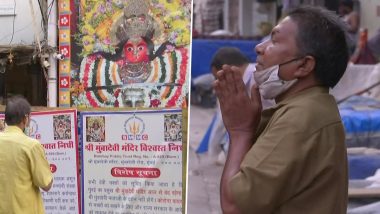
(358, 78)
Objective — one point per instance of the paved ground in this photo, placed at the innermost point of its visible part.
(204, 175)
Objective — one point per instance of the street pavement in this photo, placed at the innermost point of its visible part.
(203, 175)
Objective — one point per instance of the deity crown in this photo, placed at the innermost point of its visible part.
(136, 8)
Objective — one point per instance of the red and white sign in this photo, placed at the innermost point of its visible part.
(132, 162)
(57, 132)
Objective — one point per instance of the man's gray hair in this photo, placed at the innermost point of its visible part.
(16, 109)
(323, 35)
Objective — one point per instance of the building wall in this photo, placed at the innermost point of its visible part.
(370, 16)
(212, 11)
(233, 18)
(23, 22)
(255, 13)
(197, 14)
(207, 15)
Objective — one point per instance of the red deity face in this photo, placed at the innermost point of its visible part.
(136, 51)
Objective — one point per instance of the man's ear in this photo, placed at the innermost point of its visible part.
(25, 120)
(305, 67)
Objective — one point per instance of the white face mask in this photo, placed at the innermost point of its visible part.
(270, 84)
(27, 131)
(27, 127)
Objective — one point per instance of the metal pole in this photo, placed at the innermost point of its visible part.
(52, 42)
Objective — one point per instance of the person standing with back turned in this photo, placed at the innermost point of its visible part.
(291, 158)
(23, 165)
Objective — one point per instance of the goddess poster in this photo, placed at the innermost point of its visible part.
(124, 53)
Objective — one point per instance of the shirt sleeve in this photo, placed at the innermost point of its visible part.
(271, 171)
(40, 167)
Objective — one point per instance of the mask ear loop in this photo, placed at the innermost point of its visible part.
(304, 62)
(305, 59)
(27, 117)
(292, 60)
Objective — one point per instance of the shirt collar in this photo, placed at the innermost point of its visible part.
(302, 94)
(13, 129)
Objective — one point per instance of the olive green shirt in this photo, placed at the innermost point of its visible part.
(298, 163)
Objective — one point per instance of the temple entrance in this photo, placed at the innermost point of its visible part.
(20, 75)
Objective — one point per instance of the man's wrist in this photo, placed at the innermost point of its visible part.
(241, 137)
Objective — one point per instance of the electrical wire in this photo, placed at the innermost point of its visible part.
(35, 25)
(14, 18)
(51, 7)
(21, 29)
(43, 18)
(42, 14)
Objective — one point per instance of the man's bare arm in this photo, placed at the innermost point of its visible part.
(241, 116)
(239, 146)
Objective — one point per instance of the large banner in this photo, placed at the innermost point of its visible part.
(124, 53)
(57, 132)
(132, 162)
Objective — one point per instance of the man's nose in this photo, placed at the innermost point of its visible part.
(260, 48)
